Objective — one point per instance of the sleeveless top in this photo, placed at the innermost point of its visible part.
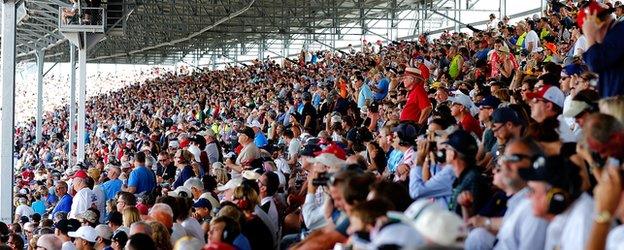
(454, 67)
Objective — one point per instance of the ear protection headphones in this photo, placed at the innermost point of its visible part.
(242, 203)
(558, 200)
(225, 233)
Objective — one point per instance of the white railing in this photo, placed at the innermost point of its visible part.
(84, 19)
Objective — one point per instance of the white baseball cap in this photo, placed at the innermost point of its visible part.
(181, 191)
(232, 183)
(574, 108)
(432, 221)
(86, 233)
(328, 159)
(254, 123)
(550, 93)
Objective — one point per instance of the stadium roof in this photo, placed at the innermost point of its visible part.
(166, 31)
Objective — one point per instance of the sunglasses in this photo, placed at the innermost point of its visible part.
(513, 158)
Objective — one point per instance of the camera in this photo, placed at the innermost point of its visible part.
(321, 180)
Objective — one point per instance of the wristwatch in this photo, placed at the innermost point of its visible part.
(603, 217)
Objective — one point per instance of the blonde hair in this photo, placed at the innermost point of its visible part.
(220, 173)
(161, 236)
(613, 106)
(130, 215)
(246, 192)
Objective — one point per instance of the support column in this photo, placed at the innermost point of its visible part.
(8, 108)
(82, 89)
(503, 9)
(39, 119)
(72, 104)
(456, 14)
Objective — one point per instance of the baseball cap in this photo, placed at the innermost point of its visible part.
(463, 143)
(67, 225)
(310, 150)
(461, 98)
(554, 170)
(115, 217)
(334, 149)
(574, 108)
(328, 159)
(572, 69)
(213, 201)
(251, 174)
(550, 93)
(440, 226)
(551, 46)
(143, 210)
(432, 221)
(489, 101)
(205, 203)
(592, 7)
(254, 123)
(104, 231)
(583, 100)
(80, 174)
(232, 183)
(194, 182)
(505, 114)
(88, 216)
(181, 191)
(174, 144)
(86, 233)
(121, 237)
(405, 131)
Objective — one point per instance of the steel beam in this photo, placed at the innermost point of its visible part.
(8, 108)
(39, 118)
(72, 103)
(82, 89)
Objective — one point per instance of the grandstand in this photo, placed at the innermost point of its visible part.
(208, 33)
(312, 124)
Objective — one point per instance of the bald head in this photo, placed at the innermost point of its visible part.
(49, 241)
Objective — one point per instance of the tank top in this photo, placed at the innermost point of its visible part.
(454, 67)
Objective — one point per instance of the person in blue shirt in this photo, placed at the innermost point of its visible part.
(65, 200)
(605, 52)
(365, 91)
(381, 90)
(113, 185)
(182, 160)
(141, 179)
(260, 139)
(38, 205)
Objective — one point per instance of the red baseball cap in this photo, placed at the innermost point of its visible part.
(549, 93)
(80, 174)
(592, 7)
(334, 149)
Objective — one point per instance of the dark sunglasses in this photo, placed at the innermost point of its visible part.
(513, 158)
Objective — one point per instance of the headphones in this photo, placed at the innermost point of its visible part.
(224, 235)
(558, 200)
(242, 203)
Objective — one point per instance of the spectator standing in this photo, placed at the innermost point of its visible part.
(142, 179)
(84, 198)
(605, 50)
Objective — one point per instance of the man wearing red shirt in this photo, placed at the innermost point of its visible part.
(460, 109)
(418, 106)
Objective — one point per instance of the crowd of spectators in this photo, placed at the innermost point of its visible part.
(56, 88)
(506, 138)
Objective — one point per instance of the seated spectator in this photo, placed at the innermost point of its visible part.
(558, 198)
